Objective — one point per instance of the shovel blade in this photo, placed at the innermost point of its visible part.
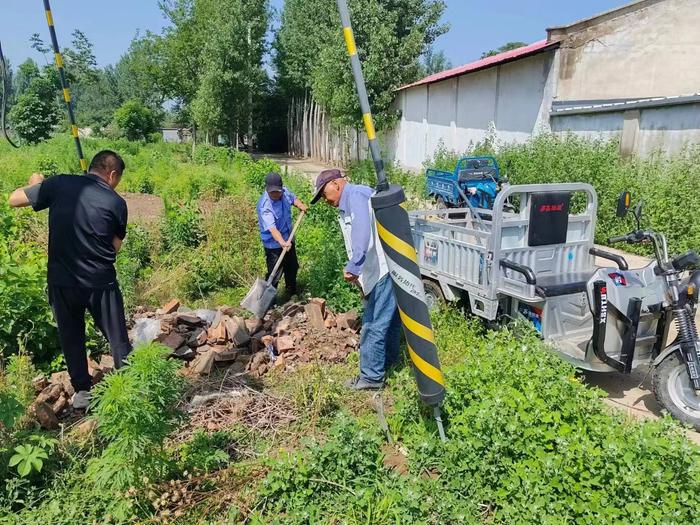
(259, 298)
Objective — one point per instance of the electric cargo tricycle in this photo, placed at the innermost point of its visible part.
(532, 256)
(474, 182)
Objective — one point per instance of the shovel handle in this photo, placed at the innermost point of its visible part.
(285, 250)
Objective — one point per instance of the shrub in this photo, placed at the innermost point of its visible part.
(135, 120)
(206, 451)
(26, 319)
(135, 411)
(132, 260)
(35, 113)
(16, 390)
(181, 227)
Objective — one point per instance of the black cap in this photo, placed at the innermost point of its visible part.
(273, 182)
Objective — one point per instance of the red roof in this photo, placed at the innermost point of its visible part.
(506, 56)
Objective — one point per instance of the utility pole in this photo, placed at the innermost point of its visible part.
(250, 93)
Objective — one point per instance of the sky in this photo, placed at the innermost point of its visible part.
(475, 26)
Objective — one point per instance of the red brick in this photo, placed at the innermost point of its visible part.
(284, 343)
(171, 307)
(315, 316)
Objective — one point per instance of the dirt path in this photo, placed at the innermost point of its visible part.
(308, 167)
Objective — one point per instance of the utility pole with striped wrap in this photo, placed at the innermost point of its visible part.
(394, 232)
(64, 85)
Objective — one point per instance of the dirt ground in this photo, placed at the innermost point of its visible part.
(143, 208)
(308, 167)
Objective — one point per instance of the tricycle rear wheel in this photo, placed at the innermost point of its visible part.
(433, 294)
(674, 392)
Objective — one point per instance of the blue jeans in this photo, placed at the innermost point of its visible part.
(381, 331)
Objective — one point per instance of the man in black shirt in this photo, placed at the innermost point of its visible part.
(87, 223)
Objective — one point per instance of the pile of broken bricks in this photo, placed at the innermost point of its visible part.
(54, 393)
(290, 334)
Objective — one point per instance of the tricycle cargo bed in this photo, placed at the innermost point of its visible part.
(536, 242)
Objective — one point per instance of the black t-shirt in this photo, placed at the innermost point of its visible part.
(85, 214)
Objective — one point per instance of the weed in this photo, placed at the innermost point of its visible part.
(135, 411)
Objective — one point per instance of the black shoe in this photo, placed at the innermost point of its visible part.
(359, 383)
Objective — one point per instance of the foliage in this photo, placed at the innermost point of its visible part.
(35, 113)
(508, 46)
(434, 61)
(133, 261)
(390, 39)
(206, 451)
(135, 411)
(16, 390)
(26, 321)
(181, 227)
(28, 459)
(135, 120)
(232, 56)
(531, 442)
(26, 72)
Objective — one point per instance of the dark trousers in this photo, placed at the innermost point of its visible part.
(290, 266)
(106, 306)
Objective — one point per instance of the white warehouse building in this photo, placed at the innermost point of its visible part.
(631, 73)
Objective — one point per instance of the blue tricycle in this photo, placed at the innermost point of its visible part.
(475, 182)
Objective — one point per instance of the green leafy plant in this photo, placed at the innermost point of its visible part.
(28, 458)
(135, 120)
(206, 451)
(27, 321)
(181, 226)
(135, 411)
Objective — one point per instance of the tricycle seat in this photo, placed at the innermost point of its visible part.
(562, 284)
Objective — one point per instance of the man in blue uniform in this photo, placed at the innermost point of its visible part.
(275, 222)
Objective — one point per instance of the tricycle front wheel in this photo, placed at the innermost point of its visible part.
(674, 391)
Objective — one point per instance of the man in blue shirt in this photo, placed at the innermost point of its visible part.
(381, 324)
(275, 222)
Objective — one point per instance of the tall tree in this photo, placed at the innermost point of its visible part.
(391, 36)
(508, 46)
(35, 113)
(231, 77)
(26, 72)
(434, 61)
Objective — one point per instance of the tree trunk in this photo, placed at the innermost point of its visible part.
(194, 137)
(290, 111)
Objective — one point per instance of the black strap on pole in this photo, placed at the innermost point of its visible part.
(4, 80)
(64, 85)
(395, 235)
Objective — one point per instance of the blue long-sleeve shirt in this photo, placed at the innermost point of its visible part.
(277, 214)
(354, 208)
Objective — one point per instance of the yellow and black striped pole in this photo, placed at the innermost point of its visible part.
(64, 85)
(396, 238)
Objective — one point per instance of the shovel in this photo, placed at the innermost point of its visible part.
(263, 293)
